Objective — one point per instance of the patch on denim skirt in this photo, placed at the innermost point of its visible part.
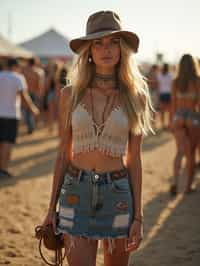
(122, 205)
(67, 212)
(72, 199)
(121, 220)
(67, 223)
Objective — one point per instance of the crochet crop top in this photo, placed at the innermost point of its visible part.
(110, 138)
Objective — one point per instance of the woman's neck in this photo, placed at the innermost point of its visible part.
(104, 80)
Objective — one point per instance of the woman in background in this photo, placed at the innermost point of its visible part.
(186, 118)
(50, 95)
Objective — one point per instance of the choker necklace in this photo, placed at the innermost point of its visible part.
(104, 81)
(105, 77)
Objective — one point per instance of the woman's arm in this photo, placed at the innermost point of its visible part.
(64, 150)
(134, 165)
(173, 101)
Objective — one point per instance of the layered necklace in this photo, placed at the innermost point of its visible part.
(106, 85)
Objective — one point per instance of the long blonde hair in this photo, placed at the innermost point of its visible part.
(132, 86)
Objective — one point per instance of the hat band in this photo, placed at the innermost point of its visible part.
(103, 29)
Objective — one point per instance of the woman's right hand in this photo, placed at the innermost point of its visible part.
(50, 219)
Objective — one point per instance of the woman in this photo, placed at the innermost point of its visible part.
(153, 87)
(107, 110)
(62, 81)
(186, 118)
(51, 97)
(164, 88)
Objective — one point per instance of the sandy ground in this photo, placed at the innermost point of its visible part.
(172, 225)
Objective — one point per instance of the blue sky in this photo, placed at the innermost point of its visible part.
(170, 27)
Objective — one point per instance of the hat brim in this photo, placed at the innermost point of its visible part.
(130, 37)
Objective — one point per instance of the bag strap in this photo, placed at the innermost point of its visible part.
(59, 257)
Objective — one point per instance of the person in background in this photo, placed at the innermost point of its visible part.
(186, 119)
(51, 96)
(63, 76)
(164, 79)
(13, 89)
(153, 87)
(35, 88)
(62, 82)
(40, 70)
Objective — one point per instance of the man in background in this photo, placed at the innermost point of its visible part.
(35, 82)
(13, 89)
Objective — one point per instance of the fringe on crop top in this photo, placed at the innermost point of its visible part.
(110, 138)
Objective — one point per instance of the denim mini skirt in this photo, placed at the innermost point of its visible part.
(95, 206)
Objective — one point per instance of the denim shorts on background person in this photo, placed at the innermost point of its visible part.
(190, 115)
(94, 206)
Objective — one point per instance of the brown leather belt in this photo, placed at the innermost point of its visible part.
(113, 175)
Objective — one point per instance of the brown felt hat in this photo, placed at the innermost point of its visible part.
(101, 24)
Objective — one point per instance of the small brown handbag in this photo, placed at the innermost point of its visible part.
(51, 241)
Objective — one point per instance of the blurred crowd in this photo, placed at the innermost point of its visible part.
(29, 91)
(29, 94)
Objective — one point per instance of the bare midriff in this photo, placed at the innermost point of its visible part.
(97, 161)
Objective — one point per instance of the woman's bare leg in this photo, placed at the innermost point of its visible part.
(193, 141)
(190, 169)
(83, 251)
(119, 256)
(5, 154)
(181, 139)
(177, 166)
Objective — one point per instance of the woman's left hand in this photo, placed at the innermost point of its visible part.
(135, 235)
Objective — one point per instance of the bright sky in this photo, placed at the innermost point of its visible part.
(171, 27)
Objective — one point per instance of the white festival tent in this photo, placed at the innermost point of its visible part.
(9, 49)
(50, 44)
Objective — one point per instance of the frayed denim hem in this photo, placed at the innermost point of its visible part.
(111, 241)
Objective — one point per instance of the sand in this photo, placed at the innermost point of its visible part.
(171, 227)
